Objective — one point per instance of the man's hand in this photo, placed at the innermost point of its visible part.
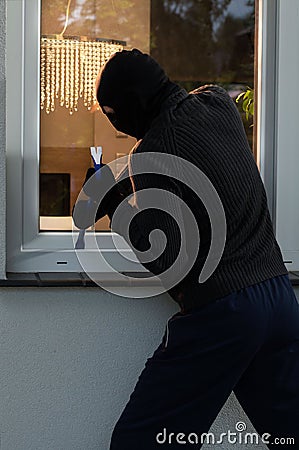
(88, 211)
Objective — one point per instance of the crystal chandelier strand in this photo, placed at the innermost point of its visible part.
(77, 75)
(53, 75)
(67, 75)
(72, 76)
(96, 68)
(90, 76)
(58, 72)
(81, 69)
(85, 72)
(90, 65)
(62, 74)
(43, 76)
(68, 69)
(48, 78)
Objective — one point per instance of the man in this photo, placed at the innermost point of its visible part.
(239, 329)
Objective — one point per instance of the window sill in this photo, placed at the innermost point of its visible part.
(294, 278)
(71, 279)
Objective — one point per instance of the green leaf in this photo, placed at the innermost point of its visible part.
(239, 97)
(245, 104)
(247, 98)
(246, 95)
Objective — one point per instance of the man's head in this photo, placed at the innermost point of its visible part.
(130, 89)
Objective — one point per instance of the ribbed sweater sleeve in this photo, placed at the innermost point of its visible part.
(205, 129)
(156, 218)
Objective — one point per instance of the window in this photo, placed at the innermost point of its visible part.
(48, 151)
(53, 148)
(286, 182)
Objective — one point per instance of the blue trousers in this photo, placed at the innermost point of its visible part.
(246, 342)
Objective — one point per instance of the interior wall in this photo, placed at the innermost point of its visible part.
(65, 139)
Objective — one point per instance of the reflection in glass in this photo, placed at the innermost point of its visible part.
(196, 42)
(212, 41)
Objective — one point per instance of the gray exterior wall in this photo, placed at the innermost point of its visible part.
(69, 361)
(71, 357)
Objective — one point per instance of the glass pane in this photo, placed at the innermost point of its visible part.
(196, 42)
(210, 41)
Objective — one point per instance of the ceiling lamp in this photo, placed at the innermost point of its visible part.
(69, 66)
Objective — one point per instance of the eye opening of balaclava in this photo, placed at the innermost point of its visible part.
(134, 85)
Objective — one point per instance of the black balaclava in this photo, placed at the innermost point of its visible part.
(134, 85)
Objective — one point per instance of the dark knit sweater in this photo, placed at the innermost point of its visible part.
(205, 128)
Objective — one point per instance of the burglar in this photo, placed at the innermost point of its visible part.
(239, 329)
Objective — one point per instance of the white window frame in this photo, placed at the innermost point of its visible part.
(278, 132)
(266, 85)
(29, 250)
(287, 133)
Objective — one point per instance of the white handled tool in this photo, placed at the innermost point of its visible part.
(96, 154)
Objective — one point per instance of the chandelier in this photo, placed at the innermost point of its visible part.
(69, 66)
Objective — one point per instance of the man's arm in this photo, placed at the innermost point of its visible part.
(154, 224)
